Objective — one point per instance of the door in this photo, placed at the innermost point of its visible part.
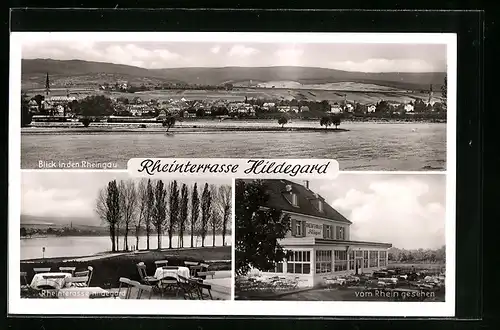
(358, 263)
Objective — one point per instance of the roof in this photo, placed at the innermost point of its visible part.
(277, 200)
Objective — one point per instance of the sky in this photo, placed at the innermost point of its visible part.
(73, 195)
(154, 55)
(405, 210)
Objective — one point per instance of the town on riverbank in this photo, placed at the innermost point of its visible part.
(165, 104)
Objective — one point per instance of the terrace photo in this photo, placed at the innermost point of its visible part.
(100, 102)
(104, 235)
(359, 237)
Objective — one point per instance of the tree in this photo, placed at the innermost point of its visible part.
(85, 121)
(95, 106)
(173, 210)
(282, 121)
(149, 212)
(224, 204)
(23, 232)
(128, 203)
(257, 230)
(108, 209)
(142, 203)
(183, 214)
(169, 122)
(159, 209)
(195, 210)
(26, 116)
(335, 120)
(206, 212)
(215, 217)
(444, 90)
(382, 107)
(39, 99)
(325, 121)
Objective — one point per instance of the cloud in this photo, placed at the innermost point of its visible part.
(385, 65)
(242, 51)
(215, 49)
(128, 54)
(55, 203)
(392, 211)
(290, 56)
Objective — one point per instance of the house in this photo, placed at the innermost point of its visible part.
(283, 108)
(162, 115)
(33, 106)
(349, 108)
(189, 113)
(371, 108)
(409, 107)
(335, 108)
(304, 108)
(319, 240)
(294, 109)
(139, 109)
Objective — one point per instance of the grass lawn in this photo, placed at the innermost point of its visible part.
(108, 270)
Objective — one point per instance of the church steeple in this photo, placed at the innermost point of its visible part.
(47, 85)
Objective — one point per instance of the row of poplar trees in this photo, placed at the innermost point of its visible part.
(148, 207)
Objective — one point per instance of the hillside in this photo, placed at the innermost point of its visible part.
(29, 220)
(71, 72)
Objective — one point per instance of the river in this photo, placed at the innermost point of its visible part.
(365, 146)
(76, 246)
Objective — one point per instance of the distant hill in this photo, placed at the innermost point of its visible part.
(70, 71)
(30, 220)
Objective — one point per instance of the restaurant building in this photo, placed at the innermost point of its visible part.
(319, 240)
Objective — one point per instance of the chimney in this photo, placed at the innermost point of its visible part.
(306, 184)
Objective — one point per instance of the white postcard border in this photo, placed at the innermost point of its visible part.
(16, 305)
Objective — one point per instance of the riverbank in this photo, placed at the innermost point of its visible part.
(109, 267)
(155, 129)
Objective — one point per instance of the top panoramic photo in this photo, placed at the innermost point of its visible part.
(373, 103)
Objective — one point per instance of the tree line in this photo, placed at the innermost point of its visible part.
(417, 255)
(154, 206)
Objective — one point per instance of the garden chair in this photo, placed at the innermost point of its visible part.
(193, 270)
(78, 281)
(205, 274)
(141, 288)
(201, 287)
(70, 270)
(148, 280)
(85, 273)
(41, 270)
(127, 284)
(24, 282)
(169, 283)
(159, 263)
(187, 287)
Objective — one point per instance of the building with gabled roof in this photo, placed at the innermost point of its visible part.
(319, 240)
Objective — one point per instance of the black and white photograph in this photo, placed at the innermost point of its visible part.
(95, 104)
(359, 237)
(104, 235)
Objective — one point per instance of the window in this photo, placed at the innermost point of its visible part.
(373, 258)
(295, 200)
(340, 261)
(365, 259)
(299, 262)
(351, 260)
(383, 258)
(323, 261)
(298, 228)
(328, 232)
(279, 267)
(320, 205)
(340, 233)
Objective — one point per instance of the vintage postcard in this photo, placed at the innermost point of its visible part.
(249, 170)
